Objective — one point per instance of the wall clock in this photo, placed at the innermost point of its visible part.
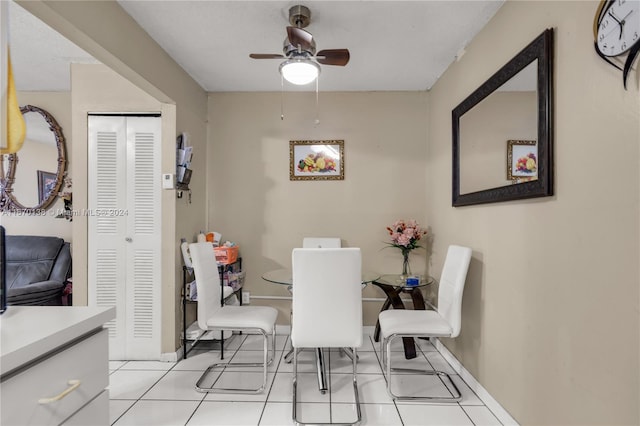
(617, 33)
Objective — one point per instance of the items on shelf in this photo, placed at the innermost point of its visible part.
(231, 278)
(214, 237)
(191, 291)
(235, 280)
(226, 255)
(184, 153)
(186, 256)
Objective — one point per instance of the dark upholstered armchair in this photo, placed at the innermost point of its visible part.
(37, 269)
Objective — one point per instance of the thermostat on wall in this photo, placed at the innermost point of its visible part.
(167, 181)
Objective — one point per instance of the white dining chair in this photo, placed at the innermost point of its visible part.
(445, 321)
(213, 316)
(321, 242)
(327, 306)
(314, 242)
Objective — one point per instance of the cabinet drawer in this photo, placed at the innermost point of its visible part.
(95, 413)
(86, 361)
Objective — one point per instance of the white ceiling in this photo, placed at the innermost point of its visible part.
(40, 57)
(394, 45)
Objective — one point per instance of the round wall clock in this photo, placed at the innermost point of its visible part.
(617, 32)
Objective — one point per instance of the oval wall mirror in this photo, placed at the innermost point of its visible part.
(32, 177)
(502, 132)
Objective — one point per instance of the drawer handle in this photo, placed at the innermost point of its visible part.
(73, 385)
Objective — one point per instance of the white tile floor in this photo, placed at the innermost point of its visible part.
(162, 393)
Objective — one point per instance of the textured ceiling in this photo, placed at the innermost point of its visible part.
(394, 45)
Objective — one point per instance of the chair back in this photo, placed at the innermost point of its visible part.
(323, 242)
(205, 269)
(454, 274)
(327, 298)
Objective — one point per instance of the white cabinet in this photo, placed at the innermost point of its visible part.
(57, 373)
(94, 413)
(124, 239)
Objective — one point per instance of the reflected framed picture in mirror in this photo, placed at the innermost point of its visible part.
(46, 184)
(522, 161)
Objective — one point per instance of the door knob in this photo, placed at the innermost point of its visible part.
(128, 239)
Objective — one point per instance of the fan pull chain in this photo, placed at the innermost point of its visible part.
(281, 97)
(317, 108)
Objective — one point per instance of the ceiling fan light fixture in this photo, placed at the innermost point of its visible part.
(299, 71)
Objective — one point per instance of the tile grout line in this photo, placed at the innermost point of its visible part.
(275, 373)
(379, 358)
(483, 395)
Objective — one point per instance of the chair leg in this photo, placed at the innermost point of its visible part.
(456, 396)
(266, 362)
(348, 352)
(289, 356)
(355, 392)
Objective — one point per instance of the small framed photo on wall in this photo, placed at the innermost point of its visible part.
(316, 160)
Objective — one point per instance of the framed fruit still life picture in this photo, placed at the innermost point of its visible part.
(316, 160)
(522, 160)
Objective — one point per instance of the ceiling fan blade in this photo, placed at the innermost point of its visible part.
(333, 57)
(266, 56)
(299, 37)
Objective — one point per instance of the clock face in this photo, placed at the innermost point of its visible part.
(619, 27)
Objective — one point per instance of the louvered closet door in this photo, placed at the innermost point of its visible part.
(124, 231)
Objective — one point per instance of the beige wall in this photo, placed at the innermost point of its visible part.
(58, 104)
(550, 312)
(90, 25)
(253, 203)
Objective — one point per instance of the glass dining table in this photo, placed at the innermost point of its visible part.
(285, 277)
(394, 286)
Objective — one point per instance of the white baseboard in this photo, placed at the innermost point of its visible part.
(493, 405)
(171, 356)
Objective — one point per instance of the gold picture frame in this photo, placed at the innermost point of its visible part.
(522, 160)
(316, 160)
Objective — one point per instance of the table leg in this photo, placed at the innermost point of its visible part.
(385, 306)
(322, 372)
(393, 299)
(320, 366)
(418, 303)
(418, 299)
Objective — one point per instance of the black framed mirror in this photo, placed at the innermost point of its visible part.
(502, 132)
(32, 177)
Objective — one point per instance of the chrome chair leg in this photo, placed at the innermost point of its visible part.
(322, 371)
(456, 396)
(355, 392)
(348, 352)
(266, 362)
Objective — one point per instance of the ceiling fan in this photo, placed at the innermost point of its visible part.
(302, 62)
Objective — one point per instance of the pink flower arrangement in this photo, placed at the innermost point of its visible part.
(405, 235)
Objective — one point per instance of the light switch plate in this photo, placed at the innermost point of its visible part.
(167, 181)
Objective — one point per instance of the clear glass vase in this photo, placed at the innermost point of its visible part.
(406, 267)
